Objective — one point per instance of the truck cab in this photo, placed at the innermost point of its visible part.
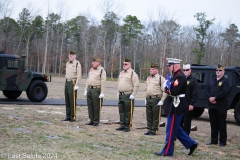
(15, 78)
(204, 74)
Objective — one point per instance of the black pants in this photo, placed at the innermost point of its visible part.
(218, 125)
(186, 121)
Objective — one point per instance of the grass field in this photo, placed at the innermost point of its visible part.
(37, 132)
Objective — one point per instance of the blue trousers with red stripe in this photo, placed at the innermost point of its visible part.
(173, 123)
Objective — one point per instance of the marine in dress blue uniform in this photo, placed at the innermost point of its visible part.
(176, 106)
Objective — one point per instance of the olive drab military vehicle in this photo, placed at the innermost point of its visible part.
(204, 74)
(15, 78)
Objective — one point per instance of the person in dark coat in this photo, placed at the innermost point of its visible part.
(191, 97)
(176, 106)
(217, 94)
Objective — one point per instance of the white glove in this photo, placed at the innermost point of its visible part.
(145, 102)
(76, 87)
(101, 95)
(160, 103)
(131, 96)
(118, 94)
(85, 93)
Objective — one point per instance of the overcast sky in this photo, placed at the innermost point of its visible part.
(225, 12)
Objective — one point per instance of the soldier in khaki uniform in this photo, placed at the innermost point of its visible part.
(128, 84)
(73, 76)
(155, 97)
(94, 91)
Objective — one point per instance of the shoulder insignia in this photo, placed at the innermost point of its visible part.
(148, 79)
(220, 84)
(175, 83)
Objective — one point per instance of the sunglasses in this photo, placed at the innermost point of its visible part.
(125, 64)
(219, 70)
(185, 70)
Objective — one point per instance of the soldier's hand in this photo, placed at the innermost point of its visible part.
(160, 103)
(101, 95)
(190, 107)
(85, 93)
(131, 96)
(76, 87)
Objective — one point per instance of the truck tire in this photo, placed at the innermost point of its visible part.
(37, 91)
(12, 94)
(197, 112)
(237, 113)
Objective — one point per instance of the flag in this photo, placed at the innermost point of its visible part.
(169, 79)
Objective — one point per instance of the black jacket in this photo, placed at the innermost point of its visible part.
(191, 92)
(218, 89)
(178, 86)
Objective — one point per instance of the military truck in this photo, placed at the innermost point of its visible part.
(15, 78)
(203, 74)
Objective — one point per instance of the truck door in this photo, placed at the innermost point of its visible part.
(202, 78)
(10, 74)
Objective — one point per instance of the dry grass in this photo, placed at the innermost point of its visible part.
(35, 130)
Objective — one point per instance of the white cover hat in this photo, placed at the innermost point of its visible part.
(186, 66)
(173, 61)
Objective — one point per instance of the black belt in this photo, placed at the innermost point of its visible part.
(123, 93)
(69, 80)
(151, 97)
(92, 87)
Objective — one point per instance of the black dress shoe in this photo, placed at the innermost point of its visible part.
(192, 148)
(71, 120)
(120, 128)
(147, 133)
(66, 119)
(222, 145)
(89, 123)
(152, 133)
(126, 130)
(162, 124)
(95, 124)
(211, 143)
(159, 153)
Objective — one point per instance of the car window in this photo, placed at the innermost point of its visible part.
(199, 76)
(12, 64)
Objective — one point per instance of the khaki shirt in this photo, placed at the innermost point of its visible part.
(153, 87)
(74, 71)
(128, 81)
(96, 77)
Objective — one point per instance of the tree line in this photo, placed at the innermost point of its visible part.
(46, 42)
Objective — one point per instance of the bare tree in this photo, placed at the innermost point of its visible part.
(6, 8)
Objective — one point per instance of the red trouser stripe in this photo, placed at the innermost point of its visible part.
(170, 136)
